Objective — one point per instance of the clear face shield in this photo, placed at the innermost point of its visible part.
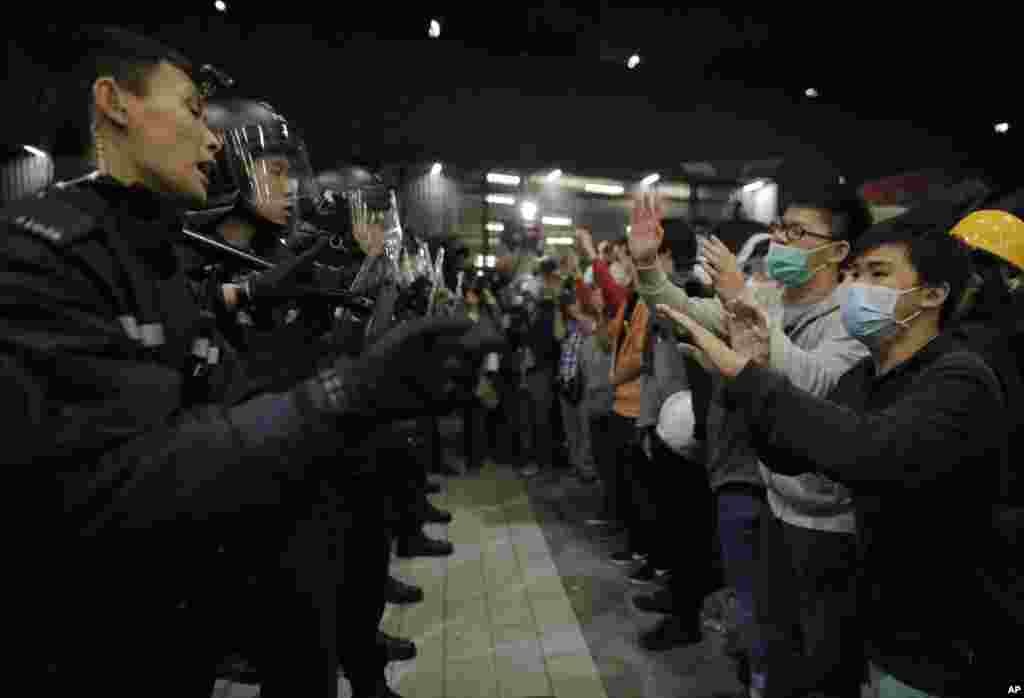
(271, 166)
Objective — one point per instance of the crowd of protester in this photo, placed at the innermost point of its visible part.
(237, 411)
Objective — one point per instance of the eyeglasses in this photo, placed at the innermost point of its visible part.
(794, 231)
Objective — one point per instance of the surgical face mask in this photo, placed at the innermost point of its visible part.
(869, 312)
(790, 265)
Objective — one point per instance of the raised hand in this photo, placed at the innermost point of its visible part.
(717, 353)
(646, 233)
(748, 330)
(720, 264)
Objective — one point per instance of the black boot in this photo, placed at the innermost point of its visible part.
(378, 690)
(433, 487)
(431, 514)
(398, 592)
(398, 649)
(419, 545)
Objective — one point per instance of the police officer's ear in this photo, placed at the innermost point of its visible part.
(109, 100)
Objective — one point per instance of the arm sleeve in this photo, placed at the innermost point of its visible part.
(614, 295)
(656, 289)
(86, 407)
(923, 437)
(819, 370)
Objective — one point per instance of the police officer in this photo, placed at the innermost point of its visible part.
(100, 337)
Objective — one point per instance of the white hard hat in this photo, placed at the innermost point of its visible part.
(676, 423)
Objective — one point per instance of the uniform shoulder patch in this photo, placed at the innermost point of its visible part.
(53, 218)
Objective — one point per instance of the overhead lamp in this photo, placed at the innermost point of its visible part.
(754, 186)
(650, 179)
(495, 227)
(610, 189)
(35, 151)
(529, 210)
(556, 220)
(561, 241)
(480, 272)
(479, 260)
(497, 178)
(501, 199)
(629, 229)
(435, 29)
(490, 261)
(1002, 127)
(436, 169)
(811, 92)
(220, 5)
(633, 61)
(553, 175)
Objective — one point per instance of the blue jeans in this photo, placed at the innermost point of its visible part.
(739, 516)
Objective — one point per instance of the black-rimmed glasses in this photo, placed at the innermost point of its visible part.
(793, 232)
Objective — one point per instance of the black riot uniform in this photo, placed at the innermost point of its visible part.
(124, 404)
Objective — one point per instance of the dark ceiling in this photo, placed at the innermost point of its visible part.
(548, 86)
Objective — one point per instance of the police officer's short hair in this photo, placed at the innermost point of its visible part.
(127, 57)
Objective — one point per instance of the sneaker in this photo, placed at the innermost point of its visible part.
(529, 471)
(645, 575)
(626, 558)
(658, 602)
(670, 632)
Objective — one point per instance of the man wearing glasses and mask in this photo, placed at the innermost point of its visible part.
(802, 526)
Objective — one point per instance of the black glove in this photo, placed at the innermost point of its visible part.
(280, 283)
(428, 366)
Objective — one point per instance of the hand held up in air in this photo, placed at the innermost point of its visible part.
(646, 233)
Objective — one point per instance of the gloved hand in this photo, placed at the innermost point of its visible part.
(280, 283)
(428, 366)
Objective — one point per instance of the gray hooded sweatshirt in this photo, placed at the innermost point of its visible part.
(813, 351)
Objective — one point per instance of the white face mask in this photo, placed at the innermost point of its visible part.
(869, 312)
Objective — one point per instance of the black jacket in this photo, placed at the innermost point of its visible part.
(920, 450)
(117, 430)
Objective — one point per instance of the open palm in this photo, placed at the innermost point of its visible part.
(748, 330)
(646, 233)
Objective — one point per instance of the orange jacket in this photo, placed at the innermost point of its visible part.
(630, 340)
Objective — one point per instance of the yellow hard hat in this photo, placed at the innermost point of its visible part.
(998, 232)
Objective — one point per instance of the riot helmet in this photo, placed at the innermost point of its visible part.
(264, 164)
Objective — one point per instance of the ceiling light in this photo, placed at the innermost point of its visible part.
(220, 5)
(811, 92)
(561, 241)
(479, 260)
(553, 175)
(495, 227)
(1002, 127)
(633, 61)
(650, 179)
(35, 151)
(556, 220)
(436, 169)
(501, 199)
(629, 229)
(529, 210)
(610, 189)
(490, 261)
(754, 186)
(435, 29)
(497, 178)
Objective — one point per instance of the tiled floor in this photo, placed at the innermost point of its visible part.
(496, 621)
